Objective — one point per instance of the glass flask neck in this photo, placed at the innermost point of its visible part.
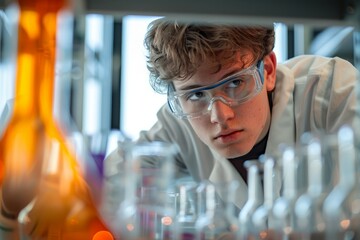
(315, 169)
(347, 165)
(37, 28)
(269, 182)
(254, 188)
(289, 174)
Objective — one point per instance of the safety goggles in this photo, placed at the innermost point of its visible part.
(232, 90)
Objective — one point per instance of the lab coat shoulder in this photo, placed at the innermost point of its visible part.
(312, 94)
(324, 93)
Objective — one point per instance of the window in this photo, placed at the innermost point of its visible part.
(139, 101)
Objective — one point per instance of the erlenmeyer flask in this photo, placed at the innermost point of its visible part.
(148, 211)
(40, 167)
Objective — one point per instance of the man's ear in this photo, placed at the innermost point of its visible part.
(270, 71)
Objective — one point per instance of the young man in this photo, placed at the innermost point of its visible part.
(230, 102)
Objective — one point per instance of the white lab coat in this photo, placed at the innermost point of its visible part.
(312, 93)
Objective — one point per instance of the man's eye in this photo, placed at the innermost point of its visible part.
(195, 96)
(235, 83)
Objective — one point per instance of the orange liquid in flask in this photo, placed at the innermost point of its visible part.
(40, 175)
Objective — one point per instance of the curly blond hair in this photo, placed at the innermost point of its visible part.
(175, 50)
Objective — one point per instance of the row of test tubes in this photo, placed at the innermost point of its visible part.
(310, 191)
(319, 196)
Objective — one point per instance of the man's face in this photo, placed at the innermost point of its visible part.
(232, 131)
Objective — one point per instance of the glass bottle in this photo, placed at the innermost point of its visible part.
(188, 211)
(39, 165)
(262, 218)
(308, 207)
(283, 208)
(255, 199)
(217, 217)
(341, 205)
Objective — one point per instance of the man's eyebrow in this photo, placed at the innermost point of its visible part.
(231, 73)
(190, 87)
(195, 86)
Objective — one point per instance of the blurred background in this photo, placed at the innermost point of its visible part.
(113, 91)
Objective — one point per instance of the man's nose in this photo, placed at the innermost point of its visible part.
(220, 110)
(221, 99)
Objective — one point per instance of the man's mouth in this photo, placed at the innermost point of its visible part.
(228, 136)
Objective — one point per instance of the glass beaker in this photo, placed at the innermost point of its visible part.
(148, 210)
